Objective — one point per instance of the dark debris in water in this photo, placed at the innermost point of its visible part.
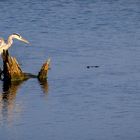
(88, 67)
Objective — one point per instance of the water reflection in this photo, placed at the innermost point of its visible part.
(9, 108)
(10, 90)
(7, 100)
(44, 85)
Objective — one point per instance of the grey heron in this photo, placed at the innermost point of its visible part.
(6, 45)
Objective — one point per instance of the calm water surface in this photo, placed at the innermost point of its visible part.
(75, 103)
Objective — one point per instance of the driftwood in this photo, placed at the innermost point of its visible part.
(13, 72)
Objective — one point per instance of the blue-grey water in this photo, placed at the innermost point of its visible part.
(77, 102)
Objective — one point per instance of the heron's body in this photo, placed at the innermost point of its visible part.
(6, 45)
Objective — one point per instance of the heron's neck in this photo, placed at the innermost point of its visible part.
(10, 41)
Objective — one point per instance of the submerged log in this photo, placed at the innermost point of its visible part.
(13, 72)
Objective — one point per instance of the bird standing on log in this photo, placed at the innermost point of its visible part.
(6, 45)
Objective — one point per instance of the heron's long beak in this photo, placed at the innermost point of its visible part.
(24, 40)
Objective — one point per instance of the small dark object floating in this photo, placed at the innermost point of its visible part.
(88, 67)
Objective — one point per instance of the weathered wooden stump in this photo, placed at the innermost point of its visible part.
(44, 70)
(11, 68)
(12, 71)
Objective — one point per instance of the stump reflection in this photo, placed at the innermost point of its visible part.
(7, 101)
(8, 105)
(44, 85)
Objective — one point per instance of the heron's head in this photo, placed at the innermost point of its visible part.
(19, 37)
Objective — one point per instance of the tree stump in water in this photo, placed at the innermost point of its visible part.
(12, 71)
(44, 70)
